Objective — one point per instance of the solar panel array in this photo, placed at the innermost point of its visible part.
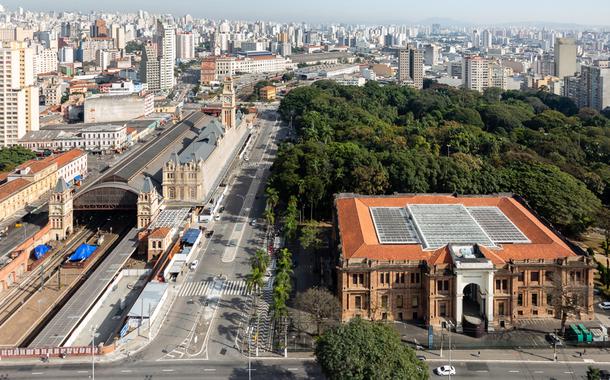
(497, 225)
(440, 225)
(393, 226)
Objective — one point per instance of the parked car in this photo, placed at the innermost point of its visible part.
(604, 305)
(217, 218)
(421, 358)
(553, 339)
(253, 222)
(209, 233)
(445, 370)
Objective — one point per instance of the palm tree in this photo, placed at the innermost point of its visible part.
(273, 197)
(269, 215)
(261, 260)
(254, 282)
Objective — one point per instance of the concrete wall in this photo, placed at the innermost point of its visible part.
(106, 109)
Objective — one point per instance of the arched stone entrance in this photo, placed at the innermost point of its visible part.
(474, 295)
(473, 308)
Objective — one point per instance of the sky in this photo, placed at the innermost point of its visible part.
(584, 12)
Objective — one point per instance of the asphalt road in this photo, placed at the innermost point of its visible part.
(284, 369)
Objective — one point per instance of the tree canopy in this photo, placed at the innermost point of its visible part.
(13, 157)
(361, 350)
(384, 139)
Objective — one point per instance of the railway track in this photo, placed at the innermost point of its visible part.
(31, 284)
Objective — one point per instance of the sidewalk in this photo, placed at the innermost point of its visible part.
(564, 355)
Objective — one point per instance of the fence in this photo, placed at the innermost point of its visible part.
(51, 352)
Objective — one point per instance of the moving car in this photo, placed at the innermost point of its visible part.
(604, 305)
(253, 222)
(445, 370)
(193, 264)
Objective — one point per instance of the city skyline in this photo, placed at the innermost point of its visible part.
(464, 12)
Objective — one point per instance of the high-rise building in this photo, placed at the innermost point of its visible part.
(411, 66)
(431, 54)
(595, 85)
(565, 57)
(166, 45)
(185, 45)
(480, 73)
(149, 67)
(18, 92)
(486, 39)
(99, 29)
(118, 34)
(66, 54)
(45, 60)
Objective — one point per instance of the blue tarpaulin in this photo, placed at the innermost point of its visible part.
(191, 235)
(77, 178)
(40, 251)
(83, 252)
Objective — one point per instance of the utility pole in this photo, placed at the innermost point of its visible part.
(41, 277)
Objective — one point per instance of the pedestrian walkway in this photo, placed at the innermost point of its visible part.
(204, 288)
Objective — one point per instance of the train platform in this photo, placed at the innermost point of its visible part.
(57, 331)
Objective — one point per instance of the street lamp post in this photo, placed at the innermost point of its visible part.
(450, 324)
(93, 328)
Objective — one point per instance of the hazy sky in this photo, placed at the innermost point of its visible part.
(371, 12)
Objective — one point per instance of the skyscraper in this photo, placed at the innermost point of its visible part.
(595, 86)
(480, 73)
(18, 93)
(166, 45)
(149, 67)
(185, 45)
(565, 57)
(411, 66)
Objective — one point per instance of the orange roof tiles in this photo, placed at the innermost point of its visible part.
(159, 233)
(359, 239)
(12, 187)
(37, 165)
(67, 157)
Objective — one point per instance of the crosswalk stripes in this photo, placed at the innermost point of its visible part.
(203, 288)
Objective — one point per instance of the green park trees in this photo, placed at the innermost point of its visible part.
(381, 140)
(378, 354)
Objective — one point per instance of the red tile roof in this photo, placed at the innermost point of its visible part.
(12, 187)
(359, 239)
(64, 159)
(159, 233)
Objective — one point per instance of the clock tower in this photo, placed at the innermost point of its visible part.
(227, 117)
(148, 204)
(61, 215)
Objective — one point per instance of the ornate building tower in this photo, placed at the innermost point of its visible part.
(148, 204)
(227, 117)
(60, 211)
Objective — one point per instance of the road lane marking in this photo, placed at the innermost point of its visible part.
(82, 371)
(167, 370)
(482, 371)
(569, 372)
(126, 371)
(538, 371)
(513, 371)
(209, 369)
(37, 373)
(293, 369)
